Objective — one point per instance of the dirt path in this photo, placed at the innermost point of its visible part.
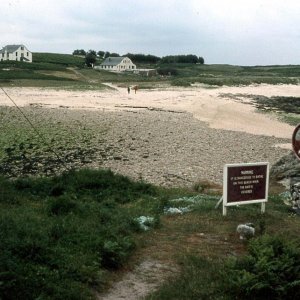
(139, 282)
(179, 236)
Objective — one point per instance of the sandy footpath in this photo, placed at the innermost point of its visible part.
(175, 135)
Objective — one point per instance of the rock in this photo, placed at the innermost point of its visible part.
(288, 167)
(295, 196)
(117, 158)
(177, 211)
(145, 222)
(246, 231)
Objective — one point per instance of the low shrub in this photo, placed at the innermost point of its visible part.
(62, 233)
(181, 82)
(269, 271)
(62, 206)
(101, 184)
(167, 71)
(7, 192)
(115, 252)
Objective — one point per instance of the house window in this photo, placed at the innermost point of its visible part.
(16, 54)
(27, 54)
(22, 48)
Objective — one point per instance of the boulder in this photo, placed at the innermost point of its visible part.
(287, 168)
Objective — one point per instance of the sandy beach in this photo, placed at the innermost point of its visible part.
(175, 135)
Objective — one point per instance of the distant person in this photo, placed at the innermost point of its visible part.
(135, 88)
(128, 90)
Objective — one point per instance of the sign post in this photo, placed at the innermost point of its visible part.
(245, 184)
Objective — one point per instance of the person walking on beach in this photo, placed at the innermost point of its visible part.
(135, 88)
(128, 90)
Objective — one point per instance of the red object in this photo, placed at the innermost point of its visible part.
(296, 141)
(246, 183)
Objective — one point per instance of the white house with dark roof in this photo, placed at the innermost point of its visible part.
(16, 53)
(117, 64)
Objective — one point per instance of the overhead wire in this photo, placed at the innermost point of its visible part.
(36, 130)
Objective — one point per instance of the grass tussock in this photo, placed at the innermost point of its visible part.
(60, 235)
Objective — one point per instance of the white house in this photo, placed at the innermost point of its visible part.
(15, 52)
(118, 64)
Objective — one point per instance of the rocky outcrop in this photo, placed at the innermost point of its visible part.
(287, 172)
(287, 168)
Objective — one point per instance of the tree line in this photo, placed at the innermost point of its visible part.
(91, 57)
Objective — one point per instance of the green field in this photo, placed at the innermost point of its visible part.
(68, 71)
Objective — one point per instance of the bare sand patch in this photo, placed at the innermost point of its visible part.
(138, 283)
(174, 136)
(203, 103)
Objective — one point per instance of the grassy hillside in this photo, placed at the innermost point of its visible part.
(233, 75)
(66, 60)
(47, 70)
(33, 74)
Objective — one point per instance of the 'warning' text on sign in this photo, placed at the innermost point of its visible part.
(245, 183)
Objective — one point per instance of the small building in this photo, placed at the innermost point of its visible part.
(146, 72)
(16, 53)
(117, 64)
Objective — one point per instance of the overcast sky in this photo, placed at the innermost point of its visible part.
(240, 32)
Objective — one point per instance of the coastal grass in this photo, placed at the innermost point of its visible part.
(182, 75)
(229, 75)
(214, 263)
(58, 59)
(61, 235)
(66, 140)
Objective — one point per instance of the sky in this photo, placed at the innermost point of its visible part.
(237, 32)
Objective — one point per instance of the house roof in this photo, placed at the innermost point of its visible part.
(113, 61)
(11, 48)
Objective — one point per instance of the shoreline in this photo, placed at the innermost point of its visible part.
(158, 137)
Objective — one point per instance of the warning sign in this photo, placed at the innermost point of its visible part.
(245, 184)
